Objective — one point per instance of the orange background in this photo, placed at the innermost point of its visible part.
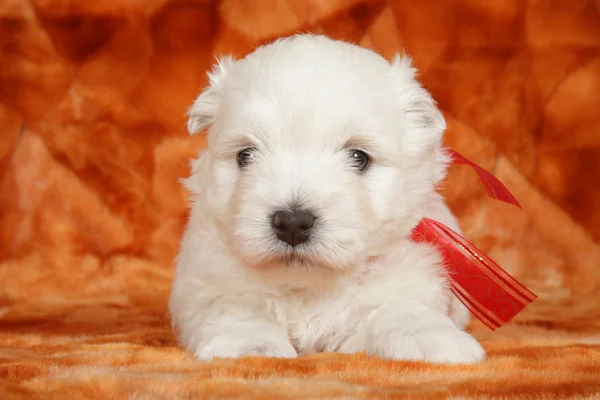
(92, 140)
(93, 97)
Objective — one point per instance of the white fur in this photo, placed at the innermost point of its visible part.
(361, 284)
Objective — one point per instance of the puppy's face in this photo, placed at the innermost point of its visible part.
(319, 153)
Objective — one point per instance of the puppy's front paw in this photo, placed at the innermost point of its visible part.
(449, 346)
(236, 347)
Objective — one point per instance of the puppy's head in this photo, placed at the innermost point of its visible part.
(319, 153)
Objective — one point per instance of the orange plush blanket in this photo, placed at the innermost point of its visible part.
(92, 143)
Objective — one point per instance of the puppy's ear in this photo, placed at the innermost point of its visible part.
(426, 123)
(202, 113)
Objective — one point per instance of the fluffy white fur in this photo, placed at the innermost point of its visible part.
(359, 283)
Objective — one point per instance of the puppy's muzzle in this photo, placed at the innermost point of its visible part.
(293, 227)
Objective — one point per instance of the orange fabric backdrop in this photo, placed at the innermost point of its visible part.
(92, 138)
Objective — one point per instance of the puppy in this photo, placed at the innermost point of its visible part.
(321, 158)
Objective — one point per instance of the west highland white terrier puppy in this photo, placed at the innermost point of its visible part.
(321, 158)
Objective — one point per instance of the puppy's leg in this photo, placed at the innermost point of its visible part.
(229, 330)
(257, 338)
(409, 330)
(459, 314)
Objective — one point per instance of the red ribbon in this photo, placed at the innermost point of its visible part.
(489, 292)
(493, 186)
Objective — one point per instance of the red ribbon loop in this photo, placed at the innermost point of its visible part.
(493, 186)
(488, 291)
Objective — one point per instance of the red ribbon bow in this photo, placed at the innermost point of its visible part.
(489, 292)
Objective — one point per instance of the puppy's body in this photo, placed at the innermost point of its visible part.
(303, 110)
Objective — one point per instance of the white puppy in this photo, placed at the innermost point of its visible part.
(321, 159)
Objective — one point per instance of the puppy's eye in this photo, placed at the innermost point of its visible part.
(360, 160)
(245, 157)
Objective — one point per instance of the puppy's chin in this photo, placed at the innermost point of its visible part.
(290, 259)
(294, 259)
(302, 258)
(296, 270)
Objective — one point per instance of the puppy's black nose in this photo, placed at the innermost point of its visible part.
(293, 227)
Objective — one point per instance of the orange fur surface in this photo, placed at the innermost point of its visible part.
(92, 144)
